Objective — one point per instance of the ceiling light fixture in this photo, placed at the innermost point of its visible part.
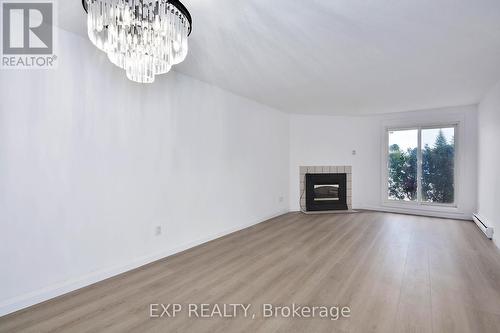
(144, 37)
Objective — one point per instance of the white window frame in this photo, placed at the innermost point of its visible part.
(419, 204)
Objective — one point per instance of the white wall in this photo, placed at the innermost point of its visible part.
(91, 163)
(489, 160)
(330, 140)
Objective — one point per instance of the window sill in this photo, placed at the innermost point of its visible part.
(423, 207)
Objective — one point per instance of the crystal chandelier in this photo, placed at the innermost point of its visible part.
(144, 37)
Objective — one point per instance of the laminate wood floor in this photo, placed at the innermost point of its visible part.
(397, 273)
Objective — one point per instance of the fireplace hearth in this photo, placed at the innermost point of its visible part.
(326, 191)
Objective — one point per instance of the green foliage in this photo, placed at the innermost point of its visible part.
(402, 173)
(437, 172)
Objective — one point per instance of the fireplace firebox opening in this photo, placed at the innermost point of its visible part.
(326, 191)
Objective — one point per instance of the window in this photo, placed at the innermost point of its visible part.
(421, 165)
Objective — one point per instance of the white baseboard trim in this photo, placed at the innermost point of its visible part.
(447, 215)
(58, 289)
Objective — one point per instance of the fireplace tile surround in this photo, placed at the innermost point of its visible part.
(303, 170)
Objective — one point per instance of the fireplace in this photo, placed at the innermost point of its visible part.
(326, 191)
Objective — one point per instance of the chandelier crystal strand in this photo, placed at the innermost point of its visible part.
(144, 37)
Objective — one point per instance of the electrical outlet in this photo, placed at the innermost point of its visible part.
(354, 152)
(281, 199)
(158, 231)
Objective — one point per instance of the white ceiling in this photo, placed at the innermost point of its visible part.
(341, 56)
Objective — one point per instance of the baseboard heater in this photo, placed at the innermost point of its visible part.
(488, 231)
